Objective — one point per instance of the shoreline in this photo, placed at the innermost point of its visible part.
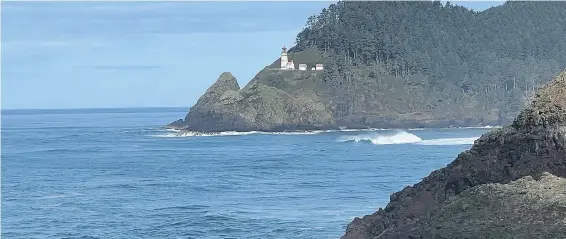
(190, 133)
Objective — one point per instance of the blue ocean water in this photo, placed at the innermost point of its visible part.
(114, 173)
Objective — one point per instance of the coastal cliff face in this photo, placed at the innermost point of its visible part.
(278, 100)
(526, 208)
(534, 144)
(280, 103)
(390, 64)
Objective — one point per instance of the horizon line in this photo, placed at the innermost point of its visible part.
(99, 108)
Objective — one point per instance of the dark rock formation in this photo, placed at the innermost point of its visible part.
(274, 101)
(533, 144)
(526, 208)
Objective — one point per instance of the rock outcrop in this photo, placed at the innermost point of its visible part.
(526, 208)
(277, 100)
(534, 144)
(273, 101)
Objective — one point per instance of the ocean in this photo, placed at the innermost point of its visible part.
(115, 173)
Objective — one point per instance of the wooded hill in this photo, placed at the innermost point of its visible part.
(390, 64)
(495, 58)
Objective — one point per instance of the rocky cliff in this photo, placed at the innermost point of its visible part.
(277, 100)
(534, 144)
(273, 101)
(526, 208)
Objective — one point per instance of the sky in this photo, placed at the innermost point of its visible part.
(58, 55)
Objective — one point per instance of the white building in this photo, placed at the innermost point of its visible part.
(284, 59)
(285, 63)
(290, 65)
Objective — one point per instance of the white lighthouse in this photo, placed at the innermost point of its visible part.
(284, 58)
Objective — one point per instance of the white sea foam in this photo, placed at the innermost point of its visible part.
(358, 130)
(229, 133)
(482, 127)
(194, 134)
(449, 141)
(171, 133)
(403, 137)
(399, 137)
(296, 132)
(173, 130)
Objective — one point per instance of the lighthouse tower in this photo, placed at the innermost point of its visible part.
(284, 58)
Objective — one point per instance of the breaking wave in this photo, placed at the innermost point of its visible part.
(449, 141)
(482, 127)
(171, 133)
(403, 137)
(193, 134)
(227, 133)
(400, 137)
(395, 137)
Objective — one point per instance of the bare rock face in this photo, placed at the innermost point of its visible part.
(526, 208)
(225, 85)
(260, 106)
(548, 108)
(535, 143)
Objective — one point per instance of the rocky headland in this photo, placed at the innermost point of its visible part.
(273, 101)
(510, 184)
(391, 64)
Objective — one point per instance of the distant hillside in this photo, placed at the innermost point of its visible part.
(490, 61)
(401, 64)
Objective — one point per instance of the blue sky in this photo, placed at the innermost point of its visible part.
(140, 54)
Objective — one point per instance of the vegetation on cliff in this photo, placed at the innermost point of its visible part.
(434, 58)
(401, 65)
